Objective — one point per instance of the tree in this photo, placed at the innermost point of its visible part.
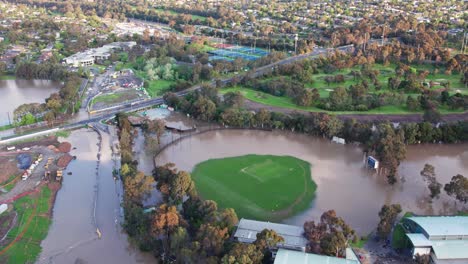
(243, 253)
(432, 115)
(388, 215)
(390, 149)
(138, 186)
(204, 108)
(157, 126)
(212, 239)
(330, 236)
(429, 176)
(164, 221)
(411, 103)
(458, 187)
(234, 99)
(267, 240)
(27, 119)
(180, 186)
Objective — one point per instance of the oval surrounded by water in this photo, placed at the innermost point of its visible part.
(342, 183)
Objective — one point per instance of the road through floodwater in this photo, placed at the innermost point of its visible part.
(88, 201)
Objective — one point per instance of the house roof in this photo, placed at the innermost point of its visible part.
(419, 240)
(292, 235)
(450, 249)
(443, 225)
(295, 257)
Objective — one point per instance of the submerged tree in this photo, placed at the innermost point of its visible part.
(429, 176)
(458, 188)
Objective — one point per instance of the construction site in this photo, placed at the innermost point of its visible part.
(30, 176)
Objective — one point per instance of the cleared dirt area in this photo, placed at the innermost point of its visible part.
(8, 168)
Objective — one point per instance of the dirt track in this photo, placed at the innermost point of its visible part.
(401, 118)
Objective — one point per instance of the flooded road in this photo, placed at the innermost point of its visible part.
(86, 202)
(343, 184)
(18, 92)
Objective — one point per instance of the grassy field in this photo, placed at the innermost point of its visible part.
(285, 102)
(158, 87)
(324, 89)
(114, 98)
(262, 187)
(172, 12)
(24, 240)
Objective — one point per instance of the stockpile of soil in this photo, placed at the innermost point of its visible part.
(64, 160)
(64, 147)
(53, 148)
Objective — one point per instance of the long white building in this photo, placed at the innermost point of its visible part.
(91, 56)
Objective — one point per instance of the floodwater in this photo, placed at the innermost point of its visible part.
(344, 185)
(86, 202)
(18, 92)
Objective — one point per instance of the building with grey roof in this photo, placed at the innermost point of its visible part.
(284, 256)
(444, 238)
(247, 231)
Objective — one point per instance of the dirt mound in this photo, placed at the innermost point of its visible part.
(64, 147)
(53, 148)
(63, 161)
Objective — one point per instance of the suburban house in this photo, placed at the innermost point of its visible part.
(444, 238)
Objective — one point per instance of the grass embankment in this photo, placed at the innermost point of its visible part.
(33, 221)
(261, 187)
(10, 183)
(324, 90)
(7, 77)
(114, 98)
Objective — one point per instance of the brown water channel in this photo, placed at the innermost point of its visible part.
(85, 202)
(17, 92)
(343, 184)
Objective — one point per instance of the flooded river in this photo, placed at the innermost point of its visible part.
(85, 202)
(18, 92)
(343, 184)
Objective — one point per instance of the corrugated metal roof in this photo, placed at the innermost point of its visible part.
(292, 234)
(295, 257)
(450, 249)
(419, 240)
(443, 225)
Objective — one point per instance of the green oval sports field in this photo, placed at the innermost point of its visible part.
(262, 187)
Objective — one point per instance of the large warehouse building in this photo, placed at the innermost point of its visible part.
(444, 238)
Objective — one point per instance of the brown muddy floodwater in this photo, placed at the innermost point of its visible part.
(17, 92)
(343, 183)
(85, 202)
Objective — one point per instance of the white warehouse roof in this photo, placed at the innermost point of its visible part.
(293, 235)
(442, 225)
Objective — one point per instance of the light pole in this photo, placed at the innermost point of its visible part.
(296, 38)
